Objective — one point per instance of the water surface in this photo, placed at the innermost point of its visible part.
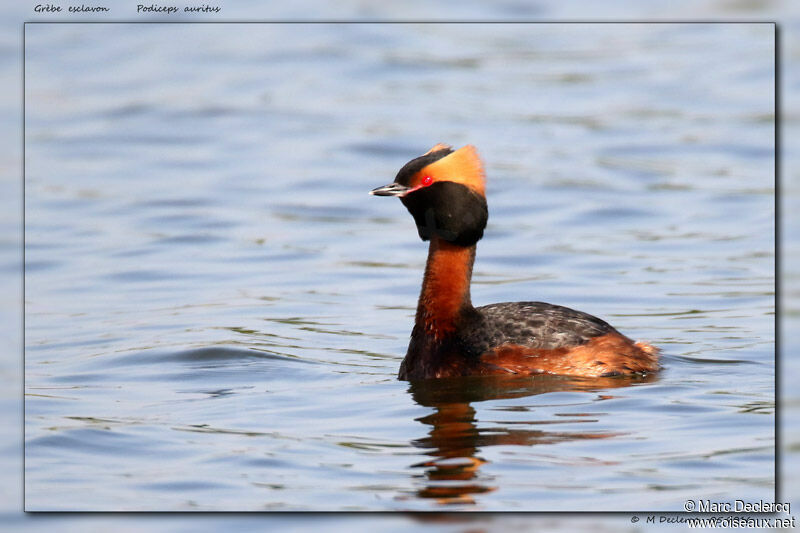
(216, 310)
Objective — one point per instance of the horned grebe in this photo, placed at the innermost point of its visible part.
(444, 190)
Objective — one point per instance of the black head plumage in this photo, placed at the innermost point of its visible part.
(450, 211)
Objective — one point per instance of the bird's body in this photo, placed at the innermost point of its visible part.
(444, 191)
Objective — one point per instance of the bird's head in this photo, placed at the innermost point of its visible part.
(444, 190)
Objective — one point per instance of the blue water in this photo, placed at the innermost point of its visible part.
(216, 310)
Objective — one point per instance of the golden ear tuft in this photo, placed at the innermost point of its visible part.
(462, 166)
(439, 146)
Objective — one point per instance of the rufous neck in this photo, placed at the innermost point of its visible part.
(445, 288)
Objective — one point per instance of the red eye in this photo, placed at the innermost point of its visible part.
(427, 180)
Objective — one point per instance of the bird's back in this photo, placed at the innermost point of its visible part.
(533, 324)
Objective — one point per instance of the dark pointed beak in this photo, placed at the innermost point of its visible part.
(393, 189)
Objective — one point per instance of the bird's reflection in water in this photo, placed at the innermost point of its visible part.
(455, 439)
